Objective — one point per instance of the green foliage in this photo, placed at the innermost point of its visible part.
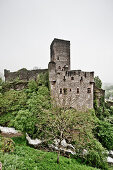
(111, 110)
(32, 86)
(96, 159)
(25, 157)
(6, 144)
(12, 101)
(24, 121)
(21, 109)
(98, 82)
(97, 155)
(30, 111)
(104, 133)
(43, 79)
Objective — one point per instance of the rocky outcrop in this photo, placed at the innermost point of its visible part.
(33, 142)
(9, 132)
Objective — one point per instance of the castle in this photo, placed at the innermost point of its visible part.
(73, 88)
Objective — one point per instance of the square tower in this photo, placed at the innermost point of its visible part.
(60, 54)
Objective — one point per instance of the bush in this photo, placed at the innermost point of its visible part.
(97, 155)
(96, 159)
(104, 133)
(24, 121)
(6, 144)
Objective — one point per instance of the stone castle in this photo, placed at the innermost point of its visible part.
(72, 88)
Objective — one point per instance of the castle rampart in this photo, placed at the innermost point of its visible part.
(23, 74)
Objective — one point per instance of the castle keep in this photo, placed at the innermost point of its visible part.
(69, 87)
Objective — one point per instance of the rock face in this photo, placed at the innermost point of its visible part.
(65, 147)
(109, 160)
(34, 142)
(9, 132)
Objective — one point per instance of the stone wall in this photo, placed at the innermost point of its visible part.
(23, 74)
(70, 88)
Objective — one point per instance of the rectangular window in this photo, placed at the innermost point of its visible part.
(77, 90)
(72, 78)
(60, 91)
(88, 90)
(65, 91)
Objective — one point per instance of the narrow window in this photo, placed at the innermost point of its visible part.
(70, 89)
(64, 78)
(72, 78)
(88, 90)
(65, 91)
(77, 90)
(60, 91)
(57, 58)
(81, 79)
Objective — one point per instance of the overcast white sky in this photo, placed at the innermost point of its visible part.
(27, 27)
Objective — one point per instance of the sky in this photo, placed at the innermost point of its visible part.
(27, 28)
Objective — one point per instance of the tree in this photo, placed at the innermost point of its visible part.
(58, 124)
(104, 133)
(98, 82)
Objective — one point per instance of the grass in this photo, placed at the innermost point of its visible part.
(27, 158)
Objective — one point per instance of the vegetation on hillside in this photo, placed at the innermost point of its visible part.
(98, 82)
(30, 110)
(25, 157)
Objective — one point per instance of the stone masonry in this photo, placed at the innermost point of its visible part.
(22, 74)
(70, 88)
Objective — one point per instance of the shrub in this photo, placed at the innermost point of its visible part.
(24, 121)
(6, 144)
(104, 133)
(97, 155)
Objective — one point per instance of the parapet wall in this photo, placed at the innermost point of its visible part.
(23, 74)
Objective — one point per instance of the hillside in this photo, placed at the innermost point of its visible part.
(25, 157)
(30, 110)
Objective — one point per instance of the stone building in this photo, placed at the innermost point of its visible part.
(73, 88)
(70, 88)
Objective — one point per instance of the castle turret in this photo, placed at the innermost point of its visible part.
(60, 54)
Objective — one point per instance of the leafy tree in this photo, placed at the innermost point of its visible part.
(98, 82)
(104, 133)
(25, 121)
